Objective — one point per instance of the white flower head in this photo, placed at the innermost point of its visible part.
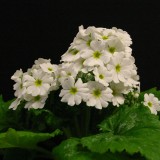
(99, 95)
(123, 36)
(96, 56)
(71, 55)
(114, 45)
(152, 103)
(64, 73)
(102, 75)
(36, 102)
(104, 34)
(73, 92)
(17, 76)
(120, 67)
(38, 83)
(118, 93)
(48, 67)
(38, 62)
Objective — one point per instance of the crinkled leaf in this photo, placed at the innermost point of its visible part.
(71, 149)
(132, 129)
(24, 139)
(10, 118)
(4, 113)
(43, 120)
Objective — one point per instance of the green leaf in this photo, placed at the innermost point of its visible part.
(10, 118)
(3, 113)
(132, 129)
(43, 120)
(24, 139)
(71, 149)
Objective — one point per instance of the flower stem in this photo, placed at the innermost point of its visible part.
(77, 127)
(45, 153)
(67, 132)
(87, 116)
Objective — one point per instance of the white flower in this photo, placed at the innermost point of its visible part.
(64, 73)
(41, 61)
(99, 95)
(35, 102)
(20, 90)
(96, 55)
(102, 75)
(38, 62)
(38, 83)
(71, 55)
(123, 36)
(120, 67)
(114, 45)
(17, 76)
(118, 91)
(152, 103)
(104, 34)
(73, 92)
(83, 38)
(18, 86)
(48, 67)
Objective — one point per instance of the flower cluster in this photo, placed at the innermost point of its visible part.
(35, 85)
(98, 68)
(102, 59)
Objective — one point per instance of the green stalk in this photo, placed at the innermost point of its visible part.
(67, 132)
(45, 153)
(77, 127)
(87, 118)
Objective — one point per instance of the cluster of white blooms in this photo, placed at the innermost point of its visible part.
(34, 85)
(98, 68)
(152, 103)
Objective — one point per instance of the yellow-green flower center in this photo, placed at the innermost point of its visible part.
(73, 51)
(69, 74)
(50, 69)
(118, 68)
(89, 42)
(38, 82)
(73, 90)
(149, 104)
(97, 54)
(104, 37)
(101, 76)
(112, 49)
(37, 98)
(97, 93)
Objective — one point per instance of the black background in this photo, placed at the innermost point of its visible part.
(34, 29)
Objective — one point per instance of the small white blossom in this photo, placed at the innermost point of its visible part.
(120, 67)
(99, 95)
(48, 67)
(37, 84)
(102, 75)
(73, 92)
(96, 55)
(118, 93)
(152, 103)
(114, 45)
(36, 102)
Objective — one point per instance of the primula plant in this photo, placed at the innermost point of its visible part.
(88, 107)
